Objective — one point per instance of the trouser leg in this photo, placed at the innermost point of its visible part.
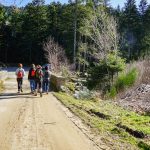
(40, 86)
(32, 85)
(47, 85)
(19, 81)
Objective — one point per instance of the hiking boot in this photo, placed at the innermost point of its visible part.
(40, 94)
(32, 92)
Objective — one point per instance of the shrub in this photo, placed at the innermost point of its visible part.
(122, 82)
(143, 145)
(126, 80)
(101, 75)
(113, 92)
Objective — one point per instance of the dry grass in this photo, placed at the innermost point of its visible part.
(145, 78)
(143, 67)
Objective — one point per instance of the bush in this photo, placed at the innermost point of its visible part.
(113, 92)
(123, 81)
(143, 145)
(126, 80)
(102, 74)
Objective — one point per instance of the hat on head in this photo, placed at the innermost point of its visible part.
(38, 66)
(33, 65)
(20, 65)
(46, 67)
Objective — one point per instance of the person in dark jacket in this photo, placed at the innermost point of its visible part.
(31, 78)
(46, 79)
(38, 80)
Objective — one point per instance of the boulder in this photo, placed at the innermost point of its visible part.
(57, 81)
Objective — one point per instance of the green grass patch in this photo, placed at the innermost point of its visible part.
(123, 81)
(126, 80)
(107, 128)
(143, 145)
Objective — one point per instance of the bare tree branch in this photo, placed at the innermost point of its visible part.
(54, 54)
(101, 28)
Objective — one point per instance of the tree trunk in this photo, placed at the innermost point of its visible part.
(75, 32)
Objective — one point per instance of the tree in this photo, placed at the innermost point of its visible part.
(2, 23)
(34, 31)
(145, 40)
(99, 76)
(143, 6)
(101, 29)
(106, 2)
(38, 2)
(54, 54)
(1, 15)
(131, 28)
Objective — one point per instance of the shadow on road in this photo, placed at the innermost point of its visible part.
(15, 95)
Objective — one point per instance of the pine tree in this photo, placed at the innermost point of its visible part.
(131, 16)
(131, 27)
(143, 6)
(34, 30)
(106, 2)
(145, 40)
(38, 2)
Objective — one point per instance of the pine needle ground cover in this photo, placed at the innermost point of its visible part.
(119, 128)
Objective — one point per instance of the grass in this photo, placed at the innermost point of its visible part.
(108, 128)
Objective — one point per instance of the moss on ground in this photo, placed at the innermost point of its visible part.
(108, 128)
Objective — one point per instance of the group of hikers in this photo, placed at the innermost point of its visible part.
(38, 77)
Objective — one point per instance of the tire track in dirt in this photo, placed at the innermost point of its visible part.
(28, 132)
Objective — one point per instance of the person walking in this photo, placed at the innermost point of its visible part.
(46, 79)
(31, 78)
(38, 80)
(20, 73)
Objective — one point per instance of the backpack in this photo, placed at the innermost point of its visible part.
(38, 74)
(46, 75)
(32, 73)
(20, 74)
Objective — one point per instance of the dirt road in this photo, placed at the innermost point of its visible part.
(33, 123)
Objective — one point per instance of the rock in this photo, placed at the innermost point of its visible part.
(57, 82)
(138, 99)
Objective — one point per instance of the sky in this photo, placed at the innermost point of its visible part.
(113, 3)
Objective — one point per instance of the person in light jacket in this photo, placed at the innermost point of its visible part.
(20, 73)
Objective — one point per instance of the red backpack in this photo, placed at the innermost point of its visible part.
(32, 73)
(20, 74)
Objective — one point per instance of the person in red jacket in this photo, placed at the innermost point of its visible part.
(31, 78)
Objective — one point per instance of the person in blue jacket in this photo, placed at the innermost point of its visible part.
(46, 79)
